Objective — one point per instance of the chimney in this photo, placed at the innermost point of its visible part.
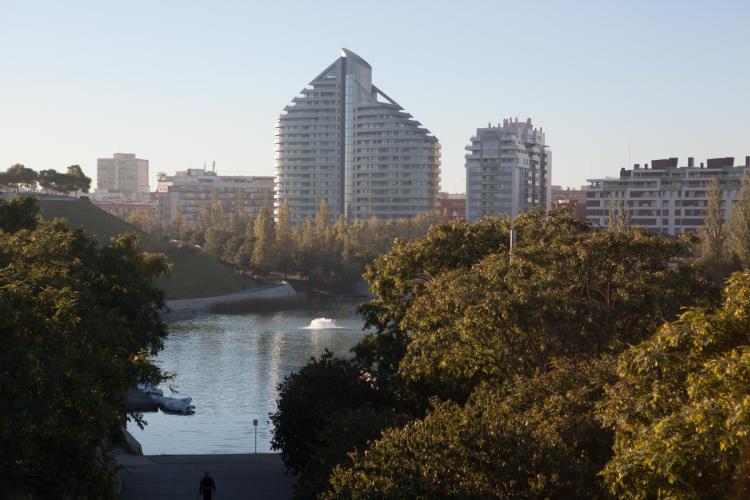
(701, 164)
(747, 161)
(637, 166)
(691, 161)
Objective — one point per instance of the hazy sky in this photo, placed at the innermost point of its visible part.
(182, 83)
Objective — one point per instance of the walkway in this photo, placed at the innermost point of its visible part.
(259, 476)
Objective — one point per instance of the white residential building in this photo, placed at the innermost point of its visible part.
(665, 198)
(345, 141)
(508, 170)
(122, 176)
(188, 190)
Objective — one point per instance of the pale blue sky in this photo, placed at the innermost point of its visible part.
(180, 82)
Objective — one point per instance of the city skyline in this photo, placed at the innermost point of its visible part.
(182, 84)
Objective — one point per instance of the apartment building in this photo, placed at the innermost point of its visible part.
(508, 170)
(188, 190)
(345, 141)
(664, 197)
(123, 176)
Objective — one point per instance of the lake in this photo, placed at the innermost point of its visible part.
(231, 365)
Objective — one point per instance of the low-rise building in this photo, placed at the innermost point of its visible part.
(574, 199)
(188, 190)
(452, 205)
(665, 198)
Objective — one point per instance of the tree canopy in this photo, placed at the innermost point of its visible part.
(80, 323)
(498, 358)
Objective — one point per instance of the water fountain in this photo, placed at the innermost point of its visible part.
(322, 324)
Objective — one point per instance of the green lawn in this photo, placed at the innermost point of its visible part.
(193, 274)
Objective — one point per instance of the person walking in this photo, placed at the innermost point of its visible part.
(207, 487)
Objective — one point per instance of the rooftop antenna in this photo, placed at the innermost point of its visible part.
(213, 166)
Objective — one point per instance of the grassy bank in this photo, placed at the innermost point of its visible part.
(194, 274)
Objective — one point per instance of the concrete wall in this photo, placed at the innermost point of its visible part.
(205, 304)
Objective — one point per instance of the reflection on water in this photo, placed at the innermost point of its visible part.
(231, 365)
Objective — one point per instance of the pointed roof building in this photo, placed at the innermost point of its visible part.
(345, 141)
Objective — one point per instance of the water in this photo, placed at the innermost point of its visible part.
(231, 365)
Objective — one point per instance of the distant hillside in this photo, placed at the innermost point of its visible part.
(193, 274)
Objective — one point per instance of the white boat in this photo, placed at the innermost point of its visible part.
(175, 405)
(150, 390)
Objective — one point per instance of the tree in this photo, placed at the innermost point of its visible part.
(323, 410)
(264, 248)
(680, 408)
(19, 213)
(78, 180)
(19, 175)
(713, 233)
(80, 322)
(740, 228)
(144, 221)
(617, 216)
(216, 239)
(532, 440)
(517, 346)
(49, 180)
(285, 238)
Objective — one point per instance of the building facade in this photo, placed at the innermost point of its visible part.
(452, 205)
(508, 170)
(345, 141)
(570, 198)
(665, 198)
(187, 191)
(123, 175)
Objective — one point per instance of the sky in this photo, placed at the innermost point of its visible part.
(184, 83)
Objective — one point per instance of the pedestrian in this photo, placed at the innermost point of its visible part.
(207, 487)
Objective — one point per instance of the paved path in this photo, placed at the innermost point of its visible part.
(248, 477)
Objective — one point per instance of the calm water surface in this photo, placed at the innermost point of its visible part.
(231, 365)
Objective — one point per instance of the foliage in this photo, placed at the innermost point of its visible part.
(19, 176)
(536, 438)
(566, 290)
(19, 213)
(264, 248)
(500, 358)
(681, 410)
(740, 229)
(325, 409)
(80, 322)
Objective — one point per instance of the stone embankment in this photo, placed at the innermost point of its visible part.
(206, 304)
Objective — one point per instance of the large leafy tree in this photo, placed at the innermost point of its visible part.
(79, 324)
(78, 180)
(19, 213)
(518, 344)
(681, 407)
(18, 175)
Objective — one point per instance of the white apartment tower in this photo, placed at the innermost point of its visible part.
(345, 141)
(507, 170)
(123, 174)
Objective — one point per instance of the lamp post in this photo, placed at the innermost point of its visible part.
(255, 425)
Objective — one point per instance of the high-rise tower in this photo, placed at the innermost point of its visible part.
(507, 170)
(345, 141)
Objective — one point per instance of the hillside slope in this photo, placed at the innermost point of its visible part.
(193, 274)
